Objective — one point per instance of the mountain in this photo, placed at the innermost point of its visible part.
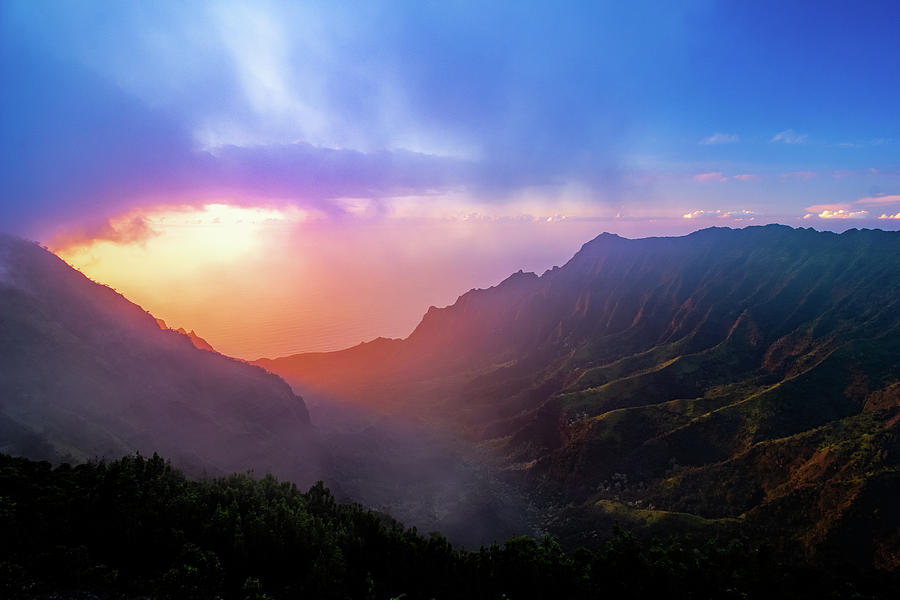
(196, 340)
(729, 380)
(85, 373)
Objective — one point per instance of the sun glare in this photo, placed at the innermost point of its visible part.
(180, 236)
(168, 258)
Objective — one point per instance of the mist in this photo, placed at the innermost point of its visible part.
(418, 475)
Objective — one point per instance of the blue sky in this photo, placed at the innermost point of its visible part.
(642, 109)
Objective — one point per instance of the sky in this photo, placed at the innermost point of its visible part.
(286, 177)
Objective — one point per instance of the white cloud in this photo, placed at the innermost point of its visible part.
(737, 215)
(839, 213)
(720, 138)
(789, 136)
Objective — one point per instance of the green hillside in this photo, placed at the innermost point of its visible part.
(669, 373)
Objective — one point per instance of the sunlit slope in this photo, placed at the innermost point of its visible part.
(86, 373)
(641, 369)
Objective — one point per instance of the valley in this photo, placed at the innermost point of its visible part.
(449, 300)
(725, 383)
(736, 378)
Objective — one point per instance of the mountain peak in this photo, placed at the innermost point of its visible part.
(605, 237)
(517, 277)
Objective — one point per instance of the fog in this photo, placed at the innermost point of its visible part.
(416, 475)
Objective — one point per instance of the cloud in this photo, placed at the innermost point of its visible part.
(277, 102)
(737, 215)
(109, 106)
(295, 175)
(887, 216)
(886, 199)
(834, 211)
(720, 138)
(88, 151)
(815, 208)
(843, 214)
(789, 136)
(746, 177)
(123, 230)
(710, 177)
(319, 175)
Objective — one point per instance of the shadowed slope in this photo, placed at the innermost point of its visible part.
(87, 373)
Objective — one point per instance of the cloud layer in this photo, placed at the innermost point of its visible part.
(112, 106)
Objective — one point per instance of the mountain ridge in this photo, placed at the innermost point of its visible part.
(640, 367)
(87, 373)
(196, 340)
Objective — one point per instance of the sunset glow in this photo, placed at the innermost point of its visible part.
(265, 282)
(284, 177)
(603, 295)
(276, 280)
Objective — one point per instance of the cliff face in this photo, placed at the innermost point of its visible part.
(739, 376)
(85, 373)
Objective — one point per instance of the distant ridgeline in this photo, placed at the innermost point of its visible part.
(729, 380)
(136, 527)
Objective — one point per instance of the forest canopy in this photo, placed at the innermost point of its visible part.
(138, 527)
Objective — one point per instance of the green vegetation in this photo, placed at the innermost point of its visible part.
(645, 517)
(138, 527)
(746, 375)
